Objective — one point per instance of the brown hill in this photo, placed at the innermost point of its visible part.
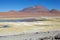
(55, 11)
(35, 11)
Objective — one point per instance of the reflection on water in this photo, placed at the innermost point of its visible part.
(27, 20)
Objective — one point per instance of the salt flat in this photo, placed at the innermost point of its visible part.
(28, 27)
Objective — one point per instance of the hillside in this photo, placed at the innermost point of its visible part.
(34, 11)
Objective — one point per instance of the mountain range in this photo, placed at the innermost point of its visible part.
(34, 11)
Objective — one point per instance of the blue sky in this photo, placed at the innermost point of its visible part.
(6, 5)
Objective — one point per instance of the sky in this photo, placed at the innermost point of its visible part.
(6, 5)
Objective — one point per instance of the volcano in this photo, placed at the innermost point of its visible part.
(35, 9)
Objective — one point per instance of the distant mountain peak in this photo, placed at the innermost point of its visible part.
(36, 8)
(55, 11)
